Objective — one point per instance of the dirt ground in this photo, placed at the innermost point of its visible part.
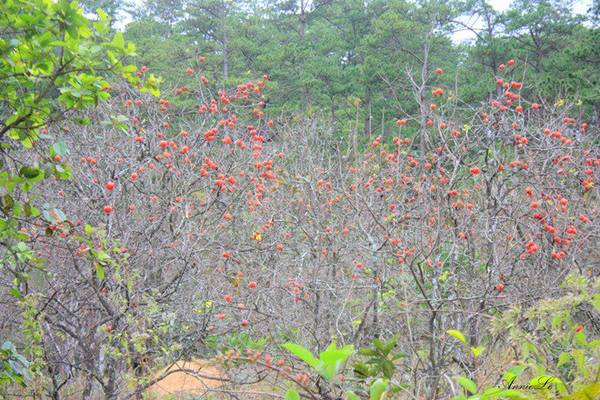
(181, 384)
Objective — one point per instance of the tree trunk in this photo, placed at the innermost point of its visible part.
(225, 50)
(422, 105)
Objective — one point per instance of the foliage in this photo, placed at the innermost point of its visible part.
(330, 361)
(322, 56)
(53, 61)
(13, 366)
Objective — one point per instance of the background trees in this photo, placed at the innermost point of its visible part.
(330, 53)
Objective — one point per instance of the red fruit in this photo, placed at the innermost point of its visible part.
(134, 176)
(138, 139)
(439, 71)
(252, 285)
(57, 158)
(163, 144)
(228, 298)
(401, 122)
(245, 323)
(511, 62)
(184, 150)
(107, 210)
(579, 328)
(109, 185)
(475, 171)
(531, 247)
(500, 287)
(571, 230)
(189, 71)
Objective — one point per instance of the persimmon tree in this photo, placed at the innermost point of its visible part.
(220, 230)
(53, 62)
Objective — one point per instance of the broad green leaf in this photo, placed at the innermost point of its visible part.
(332, 359)
(302, 353)
(466, 383)
(29, 172)
(292, 394)
(563, 358)
(118, 40)
(457, 334)
(349, 395)
(546, 381)
(378, 388)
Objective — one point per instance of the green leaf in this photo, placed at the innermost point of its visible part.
(466, 383)
(367, 352)
(103, 257)
(380, 346)
(378, 388)
(332, 359)
(457, 334)
(31, 172)
(292, 394)
(350, 395)
(545, 381)
(118, 40)
(389, 346)
(513, 373)
(59, 148)
(100, 273)
(302, 353)
(495, 393)
(388, 369)
(563, 358)
(30, 211)
(476, 351)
